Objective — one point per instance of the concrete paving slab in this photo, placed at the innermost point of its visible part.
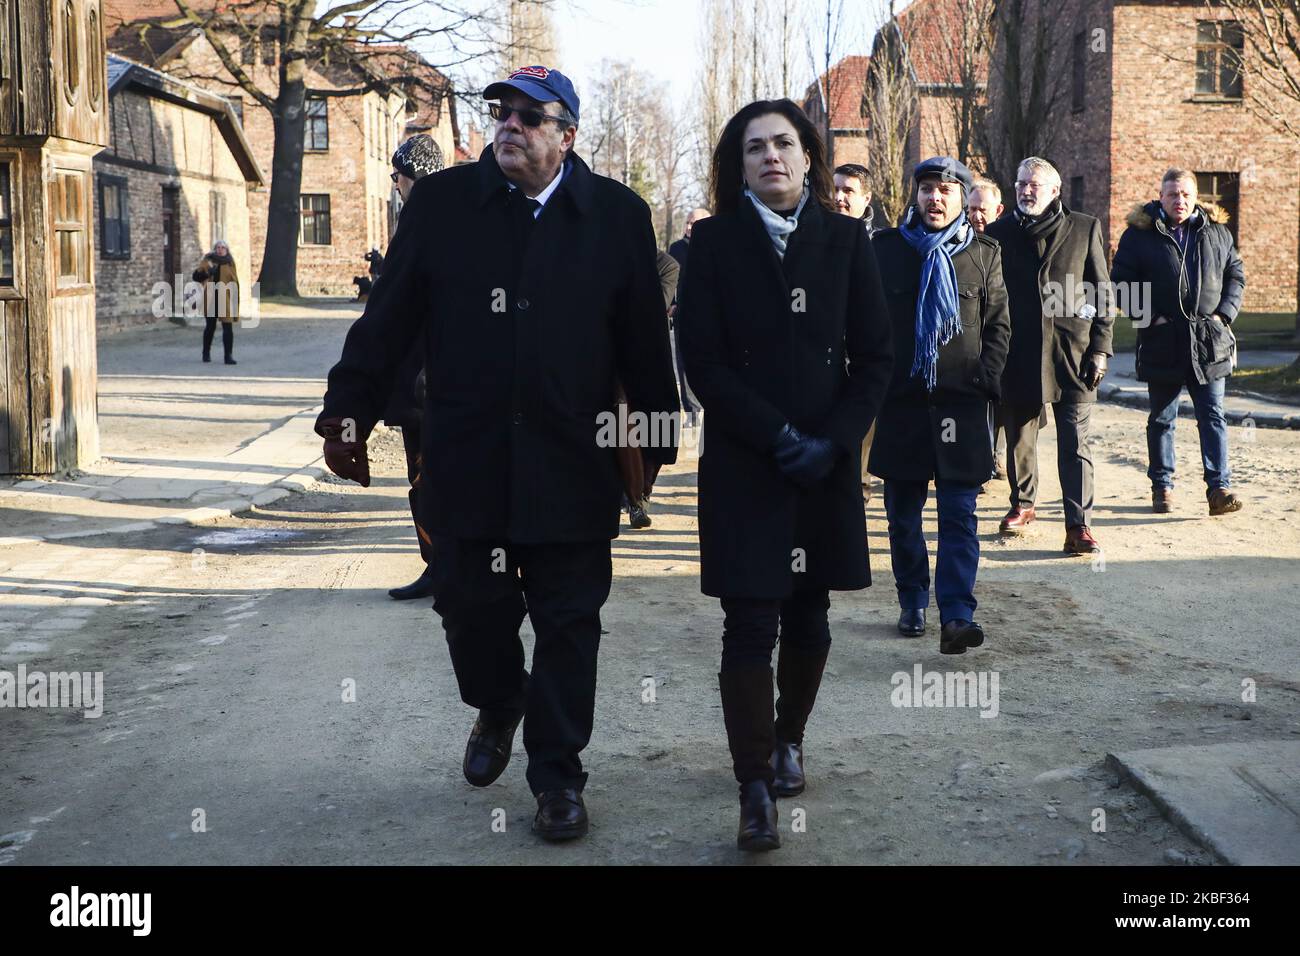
(284, 459)
(1240, 800)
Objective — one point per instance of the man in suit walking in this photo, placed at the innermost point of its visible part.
(1058, 286)
(528, 314)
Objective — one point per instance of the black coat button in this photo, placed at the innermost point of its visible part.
(519, 417)
(522, 304)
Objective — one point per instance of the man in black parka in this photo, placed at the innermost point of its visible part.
(1185, 255)
(951, 328)
(1054, 264)
(528, 313)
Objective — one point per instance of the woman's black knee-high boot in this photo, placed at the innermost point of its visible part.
(747, 711)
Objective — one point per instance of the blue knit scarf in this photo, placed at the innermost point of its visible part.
(938, 311)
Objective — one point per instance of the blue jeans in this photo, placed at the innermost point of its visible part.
(1208, 401)
(959, 547)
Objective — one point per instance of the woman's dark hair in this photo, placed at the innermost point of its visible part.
(728, 169)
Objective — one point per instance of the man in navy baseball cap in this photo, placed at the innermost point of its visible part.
(542, 84)
(536, 123)
(527, 314)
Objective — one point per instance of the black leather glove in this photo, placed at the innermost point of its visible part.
(804, 459)
(1093, 369)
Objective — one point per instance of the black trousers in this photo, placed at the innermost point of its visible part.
(227, 335)
(1073, 456)
(690, 405)
(751, 626)
(484, 589)
(411, 445)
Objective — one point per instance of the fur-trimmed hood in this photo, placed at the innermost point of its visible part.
(1143, 215)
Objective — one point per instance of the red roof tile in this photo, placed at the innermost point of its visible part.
(848, 84)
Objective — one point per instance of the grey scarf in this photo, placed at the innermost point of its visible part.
(778, 227)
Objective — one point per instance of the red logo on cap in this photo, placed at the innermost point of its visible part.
(536, 72)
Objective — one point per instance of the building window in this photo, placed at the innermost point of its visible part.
(68, 193)
(114, 218)
(6, 225)
(268, 46)
(71, 52)
(1076, 194)
(1221, 189)
(316, 128)
(248, 50)
(1219, 45)
(315, 219)
(1079, 86)
(217, 214)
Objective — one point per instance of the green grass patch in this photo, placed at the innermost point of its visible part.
(1282, 381)
(1254, 330)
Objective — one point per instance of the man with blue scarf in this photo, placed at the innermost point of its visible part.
(952, 331)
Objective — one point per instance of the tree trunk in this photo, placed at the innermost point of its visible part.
(279, 274)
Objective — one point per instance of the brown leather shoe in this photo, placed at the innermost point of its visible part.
(1162, 500)
(1017, 520)
(1223, 501)
(1079, 540)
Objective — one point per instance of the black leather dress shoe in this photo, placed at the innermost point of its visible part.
(561, 815)
(488, 751)
(637, 517)
(787, 763)
(911, 623)
(956, 636)
(421, 587)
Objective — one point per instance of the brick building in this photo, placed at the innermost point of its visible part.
(844, 85)
(1148, 84)
(174, 179)
(947, 64)
(1137, 86)
(347, 198)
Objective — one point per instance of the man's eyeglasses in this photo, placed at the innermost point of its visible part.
(1022, 186)
(532, 118)
(393, 175)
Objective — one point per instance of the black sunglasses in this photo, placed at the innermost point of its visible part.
(532, 118)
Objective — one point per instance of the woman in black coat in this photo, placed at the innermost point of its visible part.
(786, 343)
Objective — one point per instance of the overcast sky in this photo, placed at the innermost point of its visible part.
(662, 36)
